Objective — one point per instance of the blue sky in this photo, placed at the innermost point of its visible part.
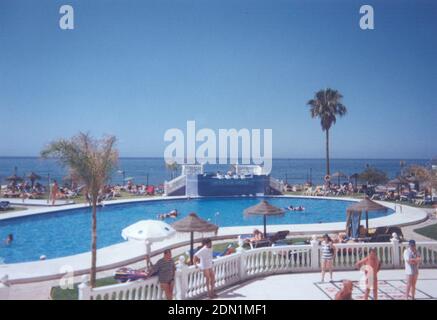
(138, 68)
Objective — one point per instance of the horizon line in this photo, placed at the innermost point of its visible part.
(274, 158)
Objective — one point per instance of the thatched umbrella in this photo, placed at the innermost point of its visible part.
(264, 209)
(33, 177)
(366, 205)
(398, 182)
(14, 178)
(192, 223)
(339, 175)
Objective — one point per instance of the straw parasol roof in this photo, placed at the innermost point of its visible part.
(339, 175)
(264, 209)
(366, 205)
(33, 176)
(192, 223)
(398, 180)
(14, 178)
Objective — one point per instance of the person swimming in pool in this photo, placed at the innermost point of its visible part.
(9, 239)
(173, 214)
(299, 208)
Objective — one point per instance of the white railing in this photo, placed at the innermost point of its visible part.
(249, 169)
(148, 289)
(276, 184)
(175, 184)
(428, 254)
(192, 169)
(247, 264)
(347, 255)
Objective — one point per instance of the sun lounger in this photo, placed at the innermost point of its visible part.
(260, 243)
(4, 205)
(384, 234)
(280, 235)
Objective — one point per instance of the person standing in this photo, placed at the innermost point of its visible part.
(204, 257)
(412, 260)
(54, 193)
(165, 268)
(327, 256)
(371, 265)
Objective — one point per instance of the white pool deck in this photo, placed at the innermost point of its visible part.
(36, 202)
(306, 286)
(132, 251)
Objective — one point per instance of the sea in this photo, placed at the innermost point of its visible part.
(153, 170)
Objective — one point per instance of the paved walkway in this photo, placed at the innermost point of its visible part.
(409, 232)
(307, 286)
(36, 202)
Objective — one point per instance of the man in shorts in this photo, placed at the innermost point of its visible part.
(371, 266)
(165, 268)
(412, 261)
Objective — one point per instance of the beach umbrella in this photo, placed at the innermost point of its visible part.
(192, 223)
(33, 177)
(339, 175)
(366, 205)
(128, 178)
(14, 178)
(398, 182)
(149, 231)
(264, 209)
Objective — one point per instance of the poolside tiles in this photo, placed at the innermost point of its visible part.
(387, 289)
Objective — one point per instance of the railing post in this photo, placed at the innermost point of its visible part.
(242, 274)
(84, 288)
(181, 279)
(4, 287)
(314, 253)
(396, 250)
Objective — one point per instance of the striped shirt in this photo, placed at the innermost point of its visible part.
(327, 250)
(165, 269)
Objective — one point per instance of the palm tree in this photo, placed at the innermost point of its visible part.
(92, 161)
(173, 167)
(326, 106)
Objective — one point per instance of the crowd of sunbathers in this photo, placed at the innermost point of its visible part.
(24, 190)
(36, 190)
(408, 192)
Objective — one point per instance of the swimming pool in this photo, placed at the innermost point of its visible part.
(67, 232)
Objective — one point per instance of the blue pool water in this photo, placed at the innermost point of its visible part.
(68, 232)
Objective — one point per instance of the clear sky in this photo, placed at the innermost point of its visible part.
(137, 68)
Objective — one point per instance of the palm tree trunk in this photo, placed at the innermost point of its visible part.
(94, 243)
(327, 153)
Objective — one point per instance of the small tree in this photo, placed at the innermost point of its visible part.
(373, 176)
(92, 161)
(173, 167)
